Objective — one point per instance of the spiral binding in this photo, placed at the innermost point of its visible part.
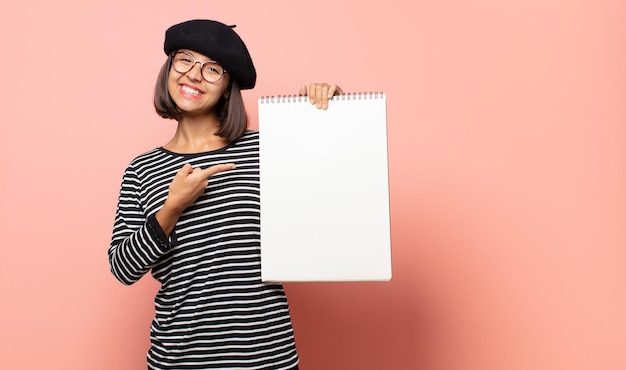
(299, 99)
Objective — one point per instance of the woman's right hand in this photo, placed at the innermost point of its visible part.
(188, 184)
(320, 93)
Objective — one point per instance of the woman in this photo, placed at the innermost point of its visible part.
(189, 212)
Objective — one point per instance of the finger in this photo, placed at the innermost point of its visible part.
(325, 96)
(185, 170)
(319, 96)
(210, 171)
(302, 91)
(331, 91)
(312, 88)
(334, 90)
(192, 173)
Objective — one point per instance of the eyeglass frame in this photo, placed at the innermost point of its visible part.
(173, 54)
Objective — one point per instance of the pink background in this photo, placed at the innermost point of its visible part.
(507, 174)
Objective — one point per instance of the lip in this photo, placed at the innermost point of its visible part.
(188, 95)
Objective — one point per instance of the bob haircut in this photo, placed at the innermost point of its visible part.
(232, 112)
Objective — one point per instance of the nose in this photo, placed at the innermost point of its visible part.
(195, 73)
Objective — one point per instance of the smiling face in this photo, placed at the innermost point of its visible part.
(191, 93)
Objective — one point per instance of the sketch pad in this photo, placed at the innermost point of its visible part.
(324, 189)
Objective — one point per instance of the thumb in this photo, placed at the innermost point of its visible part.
(185, 170)
(210, 171)
(302, 91)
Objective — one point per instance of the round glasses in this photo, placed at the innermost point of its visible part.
(211, 71)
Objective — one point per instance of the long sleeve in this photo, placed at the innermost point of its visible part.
(138, 241)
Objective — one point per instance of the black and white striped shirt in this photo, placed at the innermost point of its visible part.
(212, 310)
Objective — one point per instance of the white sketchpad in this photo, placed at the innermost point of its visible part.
(324, 189)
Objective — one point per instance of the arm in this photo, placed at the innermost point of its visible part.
(138, 241)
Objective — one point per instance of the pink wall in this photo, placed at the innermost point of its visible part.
(507, 169)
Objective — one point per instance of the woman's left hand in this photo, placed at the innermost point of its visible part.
(319, 93)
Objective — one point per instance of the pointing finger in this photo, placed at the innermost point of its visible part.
(210, 171)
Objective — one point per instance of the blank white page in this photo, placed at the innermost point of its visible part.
(324, 189)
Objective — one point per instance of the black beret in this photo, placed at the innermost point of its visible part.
(218, 42)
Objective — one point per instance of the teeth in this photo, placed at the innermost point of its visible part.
(191, 91)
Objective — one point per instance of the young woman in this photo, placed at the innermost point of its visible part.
(189, 213)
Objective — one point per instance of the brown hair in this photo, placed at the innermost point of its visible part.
(232, 112)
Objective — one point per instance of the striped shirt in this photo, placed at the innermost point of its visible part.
(212, 310)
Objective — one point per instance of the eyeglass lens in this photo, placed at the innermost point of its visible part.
(211, 71)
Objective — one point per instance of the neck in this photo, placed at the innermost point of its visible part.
(196, 134)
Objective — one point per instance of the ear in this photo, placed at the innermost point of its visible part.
(226, 94)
